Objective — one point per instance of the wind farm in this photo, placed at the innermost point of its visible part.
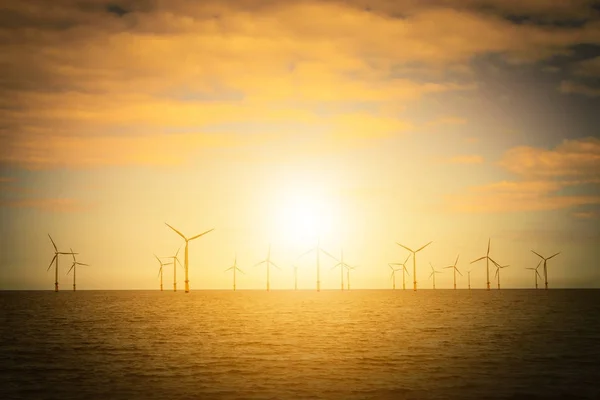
(414, 256)
(55, 262)
(536, 273)
(404, 271)
(545, 260)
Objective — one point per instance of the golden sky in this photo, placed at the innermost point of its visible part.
(363, 122)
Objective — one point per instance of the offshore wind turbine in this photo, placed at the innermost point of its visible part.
(497, 274)
(175, 261)
(487, 259)
(455, 270)
(160, 271)
(295, 277)
(469, 279)
(545, 267)
(342, 265)
(404, 272)
(55, 261)
(235, 268)
(269, 263)
(536, 273)
(433, 272)
(74, 268)
(348, 268)
(186, 260)
(414, 254)
(318, 251)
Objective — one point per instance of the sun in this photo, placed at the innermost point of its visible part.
(303, 215)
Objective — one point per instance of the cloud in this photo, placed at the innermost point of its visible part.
(542, 175)
(589, 67)
(47, 204)
(586, 215)
(570, 87)
(469, 159)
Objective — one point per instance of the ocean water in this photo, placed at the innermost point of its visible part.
(362, 344)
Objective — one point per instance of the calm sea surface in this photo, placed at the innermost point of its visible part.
(442, 344)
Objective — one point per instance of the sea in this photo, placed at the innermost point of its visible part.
(358, 344)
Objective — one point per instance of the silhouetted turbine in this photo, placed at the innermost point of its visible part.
(545, 268)
(295, 277)
(235, 268)
(469, 279)
(74, 268)
(175, 261)
(497, 274)
(160, 273)
(318, 250)
(433, 272)
(186, 260)
(414, 254)
(455, 270)
(268, 262)
(487, 263)
(348, 268)
(342, 265)
(536, 273)
(55, 258)
(404, 270)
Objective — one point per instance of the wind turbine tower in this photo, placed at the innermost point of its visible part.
(269, 263)
(414, 254)
(348, 268)
(160, 272)
(433, 272)
(74, 268)
(295, 277)
(342, 265)
(497, 275)
(318, 251)
(455, 270)
(235, 268)
(55, 261)
(536, 273)
(404, 272)
(175, 261)
(469, 279)
(487, 259)
(545, 267)
(186, 260)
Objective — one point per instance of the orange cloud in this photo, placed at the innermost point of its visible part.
(472, 159)
(578, 88)
(52, 205)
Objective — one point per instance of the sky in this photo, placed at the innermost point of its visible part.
(362, 124)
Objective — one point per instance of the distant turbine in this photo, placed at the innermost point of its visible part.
(404, 272)
(235, 268)
(455, 270)
(269, 263)
(342, 265)
(318, 251)
(536, 273)
(186, 263)
(433, 272)
(487, 263)
(497, 275)
(545, 268)
(160, 271)
(175, 261)
(295, 277)
(55, 258)
(469, 275)
(74, 268)
(414, 254)
(348, 268)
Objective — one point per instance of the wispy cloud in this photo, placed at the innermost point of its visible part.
(570, 87)
(468, 159)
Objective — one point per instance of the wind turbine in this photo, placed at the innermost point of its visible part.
(295, 277)
(175, 261)
(414, 254)
(433, 272)
(235, 268)
(404, 272)
(455, 270)
(487, 263)
(545, 268)
(160, 271)
(269, 263)
(469, 275)
(186, 263)
(341, 264)
(497, 274)
(318, 251)
(348, 268)
(536, 273)
(55, 258)
(74, 268)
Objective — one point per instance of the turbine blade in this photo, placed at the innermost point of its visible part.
(430, 275)
(424, 247)
(177, 251)
(329, 254)
(405, 261)
(303, 254)
(72, 254)
(72, 266)
(553, 255)
(488, 251)
(480, 258)
(537, 254)
(228, 269)
(53, 244)
(405, 247)
(458, 271)
(176, 231)
(495, 263)
(496, 274)
(78, 263)
(240, 270)
(538, 273)
(451, 266)
(456, 262)
(159, 271)
(258, 263)
(51, 262)
(275, 265)
(406, 270)
(158, 258)
(202, 234)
